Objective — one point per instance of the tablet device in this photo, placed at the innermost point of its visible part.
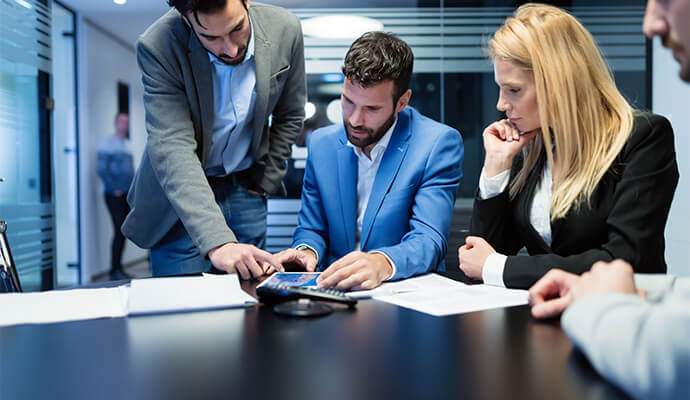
(298, 279)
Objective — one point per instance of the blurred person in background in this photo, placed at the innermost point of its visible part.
(116, 169)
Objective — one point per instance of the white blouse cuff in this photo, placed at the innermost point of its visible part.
(492, 187)
(492, 274)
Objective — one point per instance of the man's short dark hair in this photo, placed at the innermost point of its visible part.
(200, 6)
(377, 57)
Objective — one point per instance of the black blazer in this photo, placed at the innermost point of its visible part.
(625, 218)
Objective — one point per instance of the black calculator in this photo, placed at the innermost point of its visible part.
(274, 294)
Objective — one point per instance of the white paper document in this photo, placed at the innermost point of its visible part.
(61, 305)
(144, 296)
(416, 284)
(186, 293)
(439, 296)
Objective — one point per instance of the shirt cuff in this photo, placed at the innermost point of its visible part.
(492, 274)
(303, 246)
(390, 261)
(657, 286)
(492, 187)
(588, 313)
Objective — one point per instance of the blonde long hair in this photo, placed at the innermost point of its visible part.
(577, 98)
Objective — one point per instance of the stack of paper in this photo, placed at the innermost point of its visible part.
(185, 294)
(145, 296)
(437, 295)
(61, 305)
(416, 284)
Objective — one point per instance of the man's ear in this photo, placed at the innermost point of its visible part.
(403, 100)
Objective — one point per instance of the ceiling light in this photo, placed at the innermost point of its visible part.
(23, 3)
(120, 2)
(339, 26)
(332, 77)
(309, 110)
(334, 111)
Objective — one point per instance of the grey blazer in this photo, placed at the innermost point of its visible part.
(178, 97)
(641, 346)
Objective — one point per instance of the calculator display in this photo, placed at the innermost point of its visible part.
(298, 279)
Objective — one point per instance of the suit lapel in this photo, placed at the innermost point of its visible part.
(556, 227)
(201, 69)
(262, 63)
(347, 188)
(388, 169)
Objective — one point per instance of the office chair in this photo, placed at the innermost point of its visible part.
(9, 279)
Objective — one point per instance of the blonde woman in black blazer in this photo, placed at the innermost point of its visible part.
(597, 185)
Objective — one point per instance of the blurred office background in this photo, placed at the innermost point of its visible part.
(67, 67)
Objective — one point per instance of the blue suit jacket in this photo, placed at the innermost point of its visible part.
(411, 203)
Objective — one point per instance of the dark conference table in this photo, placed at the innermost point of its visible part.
(378, 351)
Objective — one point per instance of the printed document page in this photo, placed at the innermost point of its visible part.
(436, 295)
(186, 293)
(145, 296)
(61, 305)
(416, 284)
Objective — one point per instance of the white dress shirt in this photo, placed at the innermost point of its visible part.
(539, 217)
(366, 173)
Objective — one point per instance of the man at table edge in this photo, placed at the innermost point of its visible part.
(633, 328)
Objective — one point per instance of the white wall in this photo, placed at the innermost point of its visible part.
(670, 98)
(103, 61)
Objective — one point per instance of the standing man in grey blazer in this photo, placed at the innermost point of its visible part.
(635, 329)
(213, 72)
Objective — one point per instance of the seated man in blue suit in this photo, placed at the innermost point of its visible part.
(379, 189)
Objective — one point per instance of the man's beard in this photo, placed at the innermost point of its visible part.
(373, 136)
(224, 58)
(680, 54)
(685, 71)
(227, 60)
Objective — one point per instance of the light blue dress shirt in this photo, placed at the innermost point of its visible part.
(115, 165)
(234, 97)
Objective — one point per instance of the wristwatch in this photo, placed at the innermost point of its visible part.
(306, 247)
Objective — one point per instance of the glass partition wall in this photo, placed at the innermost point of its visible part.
(453, 80)
(25, 140)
